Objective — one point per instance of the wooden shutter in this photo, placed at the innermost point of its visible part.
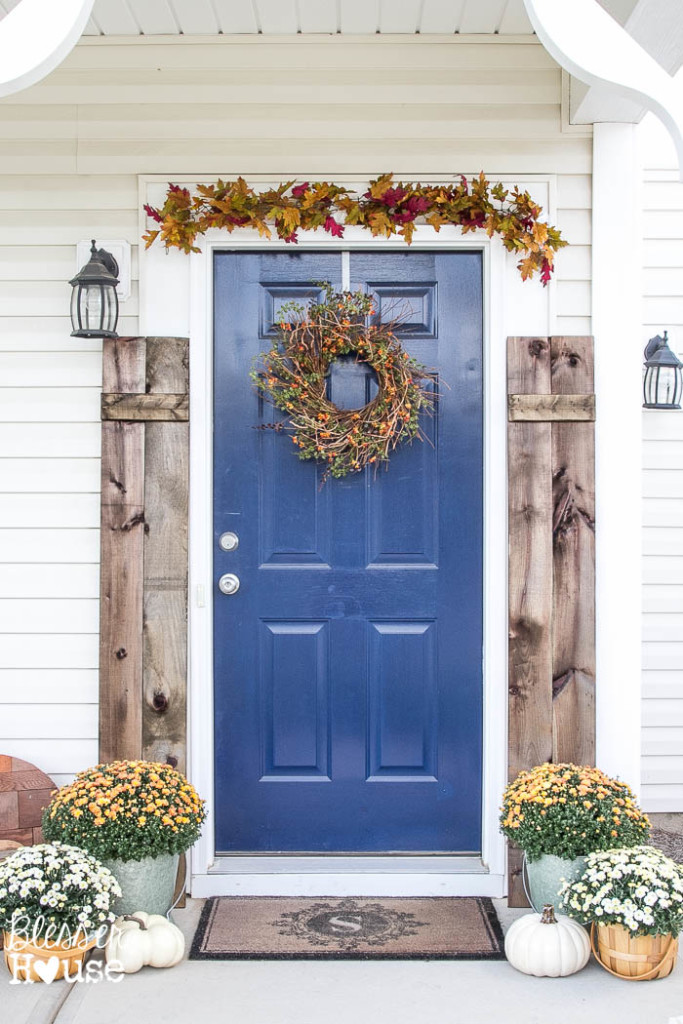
(551, 409)
(143, 617)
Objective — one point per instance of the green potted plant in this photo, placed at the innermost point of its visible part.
(136, 817)
(55, 900)
(633, 899)
(559, 813)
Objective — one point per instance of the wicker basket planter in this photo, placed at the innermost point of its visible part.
(641, 958)
(54, 959)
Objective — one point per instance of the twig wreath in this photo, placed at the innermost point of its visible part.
(293, 377)
(386, 209)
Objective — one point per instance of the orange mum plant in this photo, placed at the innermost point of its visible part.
(126, 810)
(570, 810)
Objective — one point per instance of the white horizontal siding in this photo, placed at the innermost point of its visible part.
(57, 580)
(71, 150)
(49, 545)
(48, 650)
(49, 615)
(58, 757)
(48, 686)
(56, 511)
(662, 709)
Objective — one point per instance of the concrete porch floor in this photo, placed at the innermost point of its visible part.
(398, 992)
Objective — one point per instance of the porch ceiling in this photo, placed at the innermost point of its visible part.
(365, 17)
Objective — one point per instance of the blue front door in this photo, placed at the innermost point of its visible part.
(348, 665)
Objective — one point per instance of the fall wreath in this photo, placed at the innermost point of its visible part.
(293, 377)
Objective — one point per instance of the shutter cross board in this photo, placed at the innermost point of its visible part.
(143, 645)
(551, 509)
(134, 408)
(548, 408)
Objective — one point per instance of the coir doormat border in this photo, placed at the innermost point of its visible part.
(488, 912)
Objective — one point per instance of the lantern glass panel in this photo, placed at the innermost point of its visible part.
(111, 310)
(662, 387)
(76, 309)
(93, 307)
(668, 385)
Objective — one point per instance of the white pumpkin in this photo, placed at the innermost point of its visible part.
(138, 940)
(546, 946)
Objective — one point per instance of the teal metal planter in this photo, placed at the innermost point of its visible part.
(546, 875)
(146, 884)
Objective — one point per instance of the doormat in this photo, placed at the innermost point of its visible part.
(329, 928)
(670, 843)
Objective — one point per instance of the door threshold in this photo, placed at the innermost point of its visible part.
(348, 876)
(285, 864)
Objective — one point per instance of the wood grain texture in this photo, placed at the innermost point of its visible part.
(145, 407)
(529, 579)
(145, 475)
(530, 563)
(165, 674)
(551, 558)
(165, 589)
(573, 473)
(168, 361)
(123, 455)
(550, 407)
(121, 632)
(121, 573)
(123, 365)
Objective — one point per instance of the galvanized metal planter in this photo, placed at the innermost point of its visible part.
(546, 876)
(146, 884)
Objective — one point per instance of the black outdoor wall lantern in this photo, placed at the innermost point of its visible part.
(94, 302)
(662, 383)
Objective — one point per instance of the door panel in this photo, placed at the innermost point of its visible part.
(348, 666)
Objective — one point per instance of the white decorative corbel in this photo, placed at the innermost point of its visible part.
(586, 41)
(35, 38)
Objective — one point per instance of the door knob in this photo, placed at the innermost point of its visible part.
(229, 583)
(229, 541)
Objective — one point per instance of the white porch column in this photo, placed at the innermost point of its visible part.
(617, 291)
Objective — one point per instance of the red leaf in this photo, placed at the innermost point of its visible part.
(299, 190)
(154, 214)
(335, 229)
(393, 196)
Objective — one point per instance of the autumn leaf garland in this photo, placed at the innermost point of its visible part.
(387, 208)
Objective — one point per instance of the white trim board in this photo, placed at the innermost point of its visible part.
(175, 287)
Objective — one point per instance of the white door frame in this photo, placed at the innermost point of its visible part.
(509, 307)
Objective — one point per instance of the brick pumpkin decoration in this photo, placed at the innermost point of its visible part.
(24, 792)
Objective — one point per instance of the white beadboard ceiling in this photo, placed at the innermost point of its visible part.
(365, 17)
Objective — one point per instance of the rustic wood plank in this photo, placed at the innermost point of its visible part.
(145, 443)
(168, 361)
(121, 575)
(123, 365)
(550, 407)
(573, 472)
(133, 407)
(123, 446)
(121, 632)
(165, 673)
(166, 499)
(530, 577)
(165, 590)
